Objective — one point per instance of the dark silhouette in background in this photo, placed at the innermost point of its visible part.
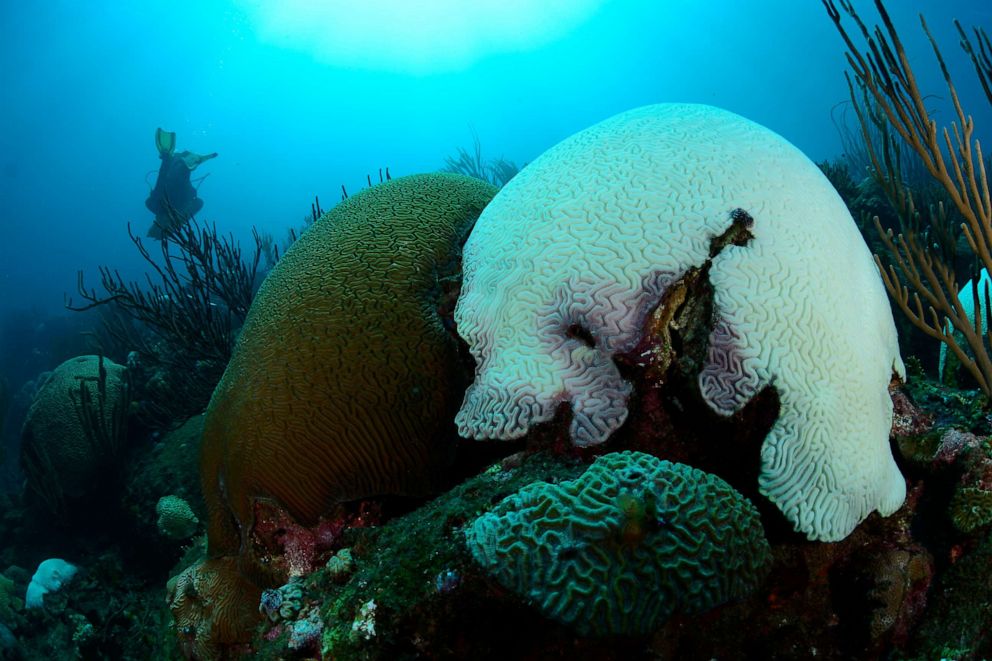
(173, 200)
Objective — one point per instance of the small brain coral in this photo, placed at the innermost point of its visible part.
(624, 546)
(176, 519)
(61, 457)
(344, 379)
(591, 233)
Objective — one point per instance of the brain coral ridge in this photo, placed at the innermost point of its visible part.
(591, 233)
(344, 380)
(631, 541)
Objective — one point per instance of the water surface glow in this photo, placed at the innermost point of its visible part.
(415, 37)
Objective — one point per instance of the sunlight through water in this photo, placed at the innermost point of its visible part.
(415, 37)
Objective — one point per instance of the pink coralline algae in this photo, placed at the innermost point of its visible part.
(293, 550)
(907, 418)
(273, 633)
(954, 444)
(291, 545)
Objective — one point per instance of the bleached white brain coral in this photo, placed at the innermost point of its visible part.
(589, 235)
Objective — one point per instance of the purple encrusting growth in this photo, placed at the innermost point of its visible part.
(725, 381)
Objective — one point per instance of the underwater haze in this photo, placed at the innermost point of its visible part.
(299, 98)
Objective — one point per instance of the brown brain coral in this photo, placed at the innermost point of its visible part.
(344, 381)
(213, 606)
(61, 458)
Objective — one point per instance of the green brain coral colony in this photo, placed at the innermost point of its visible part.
(62, 457)
(628, 543)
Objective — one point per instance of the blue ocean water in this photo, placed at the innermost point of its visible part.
(298, 103)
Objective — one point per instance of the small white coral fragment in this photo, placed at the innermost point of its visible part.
(50, 576)
(363, 626)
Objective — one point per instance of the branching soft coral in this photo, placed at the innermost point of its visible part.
(920, 276)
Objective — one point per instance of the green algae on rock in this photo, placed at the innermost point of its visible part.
(396, 567)
(171, 468)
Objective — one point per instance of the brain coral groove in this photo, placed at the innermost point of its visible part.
(344, 381)
(593, 230)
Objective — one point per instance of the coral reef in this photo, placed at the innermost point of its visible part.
(347, 378)
(664, 393)
(911, 585)
(213, 606)
(169, 467)
(179, 327)
(971, 508)
(305, 633)
(282, 604)
(629, 543)
(340, 564)
(304, 392)
(389, 605)
(864, 597)
(51, 576)
(107, 611)
(971, 505)
(310, 412)
(956, 623)
(570, 257)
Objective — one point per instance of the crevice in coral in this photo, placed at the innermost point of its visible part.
(581, 333)
(668, 415)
